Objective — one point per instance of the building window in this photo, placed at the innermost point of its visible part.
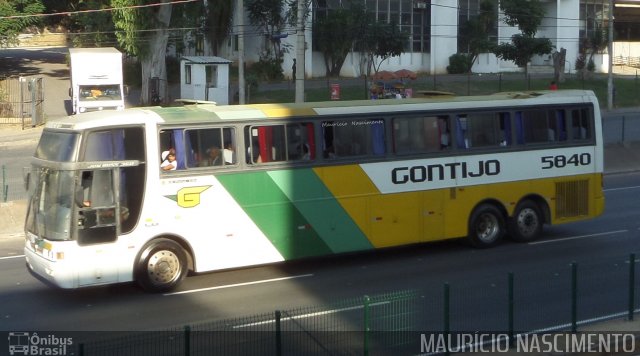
(412, 16)
(187, 73)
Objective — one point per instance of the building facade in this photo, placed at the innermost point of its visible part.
(433, 27)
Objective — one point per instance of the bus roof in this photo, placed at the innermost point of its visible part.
(199, 113)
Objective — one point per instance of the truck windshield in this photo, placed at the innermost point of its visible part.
(100, 92)
(49, 211)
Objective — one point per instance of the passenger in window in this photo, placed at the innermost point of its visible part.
(253, 156)
(229, 154)
(306, 155)
(213, 157)
(330, 152)
(169, 162)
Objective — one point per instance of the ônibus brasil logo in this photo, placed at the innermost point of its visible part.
(32, 344)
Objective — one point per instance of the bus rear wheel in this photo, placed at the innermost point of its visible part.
(486, 226)
(161, 266)
(526, 223)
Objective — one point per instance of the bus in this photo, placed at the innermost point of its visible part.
(263, 183)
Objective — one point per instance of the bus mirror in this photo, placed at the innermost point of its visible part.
(78, 197)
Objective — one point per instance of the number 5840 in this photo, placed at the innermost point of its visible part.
(561, 161)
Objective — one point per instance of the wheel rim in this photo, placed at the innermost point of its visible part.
(163, 267)
(487, 228)
(528, 222)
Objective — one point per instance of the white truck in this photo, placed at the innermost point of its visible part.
(96, 79)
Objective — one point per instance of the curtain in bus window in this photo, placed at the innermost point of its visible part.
(265, 140)
(377, 136)
(505, 125)
(311, 141)
(118, 140)
(519, 128)
(461, 128)
(561, 125)
(181, 156)
(99, 146)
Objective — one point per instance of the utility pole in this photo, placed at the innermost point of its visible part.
(610, 50)
(300, 50)
(241, 82)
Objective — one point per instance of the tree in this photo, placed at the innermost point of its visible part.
(10, 28)
(596, 42)
(268, 16)
(335, 35)
(218, 21)
(93, 29)
(527, 15)
(379, 42)
(474, 34)
(142, 32)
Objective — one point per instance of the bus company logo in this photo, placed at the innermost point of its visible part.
(24, 343)
(442, 172)
(188, 197)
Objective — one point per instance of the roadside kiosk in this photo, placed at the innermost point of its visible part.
(205, 78)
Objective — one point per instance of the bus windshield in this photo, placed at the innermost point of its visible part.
(49, 212)
(57, 146)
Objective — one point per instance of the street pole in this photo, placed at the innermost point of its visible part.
(610, 50)
(241, 82)
(300, 53)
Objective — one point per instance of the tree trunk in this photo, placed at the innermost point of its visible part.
(153, 63)
(558, 65)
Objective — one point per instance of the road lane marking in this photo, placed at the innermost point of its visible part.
(239, 284)
(578, 237)
(308, 315)
(10, 257)
(623, 188)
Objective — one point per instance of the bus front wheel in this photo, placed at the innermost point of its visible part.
(161, 266)
(486, 226)
(526, 223)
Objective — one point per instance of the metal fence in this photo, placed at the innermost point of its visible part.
(570, 296)
(621, 127)
(22, 101)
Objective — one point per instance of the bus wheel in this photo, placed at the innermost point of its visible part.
(526, 223)
(161, 266)
(486, 226)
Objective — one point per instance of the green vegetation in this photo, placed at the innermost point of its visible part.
(627, 87)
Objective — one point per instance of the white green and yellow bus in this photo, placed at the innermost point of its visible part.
(258, 184)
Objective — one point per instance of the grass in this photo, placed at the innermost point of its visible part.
(626, 87)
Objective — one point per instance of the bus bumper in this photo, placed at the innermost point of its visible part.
(44, 270)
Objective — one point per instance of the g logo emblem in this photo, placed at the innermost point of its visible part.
(190, 196)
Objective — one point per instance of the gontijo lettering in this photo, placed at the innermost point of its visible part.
(441, 172)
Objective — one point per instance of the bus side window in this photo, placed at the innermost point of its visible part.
(535, 126)
(420, 134)
(265, 144)
(348, 138)
(483, 130)
(580, 124)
